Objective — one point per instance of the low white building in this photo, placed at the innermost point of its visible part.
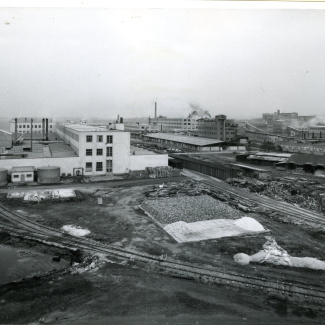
(22, 174)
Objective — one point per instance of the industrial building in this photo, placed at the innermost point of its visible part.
(27, 125)
(184, 142)
(306, 148)
(178, 124)
(260, 137)
(217, 128)
(73, 149)
(99, 150)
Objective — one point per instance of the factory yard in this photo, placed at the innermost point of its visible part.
(97, 289)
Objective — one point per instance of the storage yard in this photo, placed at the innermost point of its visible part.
(132, 217)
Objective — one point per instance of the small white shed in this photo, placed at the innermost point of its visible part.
(23, 174)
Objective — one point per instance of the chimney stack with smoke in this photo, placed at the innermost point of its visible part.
(155, 110)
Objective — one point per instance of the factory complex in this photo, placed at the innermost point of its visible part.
(69, 150)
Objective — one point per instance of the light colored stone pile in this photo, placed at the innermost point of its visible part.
(189, 209)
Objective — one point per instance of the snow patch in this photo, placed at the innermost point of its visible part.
(75, 230)
(250, 224)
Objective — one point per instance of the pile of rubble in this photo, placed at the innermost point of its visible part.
(295, 190)
(166, 171)
(155, 172)
(187, 187)
(189, 209)
(193, 188)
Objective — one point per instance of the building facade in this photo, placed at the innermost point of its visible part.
(24, 125)
(167, 124)
(218, 128)
(100, 150)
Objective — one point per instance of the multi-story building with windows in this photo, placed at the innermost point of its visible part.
(24, 125)
(217, 128)
(100, 150)
(168, 124)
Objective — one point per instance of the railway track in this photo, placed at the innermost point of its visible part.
(315, 295)
(269, 203)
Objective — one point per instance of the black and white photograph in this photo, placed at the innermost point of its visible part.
(162, 162)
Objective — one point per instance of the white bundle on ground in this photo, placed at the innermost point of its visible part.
(274, 254)
(75, 231)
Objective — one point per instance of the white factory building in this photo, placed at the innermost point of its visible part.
(26, 124)
(81, 149)
(100, 150)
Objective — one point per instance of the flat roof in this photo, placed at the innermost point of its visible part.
(89, 128)
(27, 120)
(22, 169)
(7, 132)
(272, 154)
(197, 141)
(253, 168)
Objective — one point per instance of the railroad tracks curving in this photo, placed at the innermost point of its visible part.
(171, 267)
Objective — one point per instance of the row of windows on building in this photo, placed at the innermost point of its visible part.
(26, 126)
(99, 152)
(99, 166)
(99, 138)
(34, 131)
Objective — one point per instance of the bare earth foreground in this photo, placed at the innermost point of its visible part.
(111, 293)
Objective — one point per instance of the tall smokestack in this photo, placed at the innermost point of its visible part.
(47, 129)
(31, 135)
(16, 129)
(155, 110)
(149, 120)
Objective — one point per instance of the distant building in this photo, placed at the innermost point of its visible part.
(217, 128)
(24, 125)
(183, 142)
(261, 137)
(278, 122)
(179, 124)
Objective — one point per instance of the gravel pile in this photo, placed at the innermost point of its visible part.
(189, 209)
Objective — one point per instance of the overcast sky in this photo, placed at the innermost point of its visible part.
(103, 62)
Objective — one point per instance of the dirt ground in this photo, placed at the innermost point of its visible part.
(127, 295)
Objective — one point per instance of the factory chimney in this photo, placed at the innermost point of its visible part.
(16, 131)
(31, 135)
(47, 129)
(155, 110)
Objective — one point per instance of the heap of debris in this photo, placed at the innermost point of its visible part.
(155, 172)
(192, 201)
(166, 171)
(187, 187)
(295, 190)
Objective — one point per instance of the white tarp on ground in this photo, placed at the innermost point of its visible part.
(43, 195)
(274, 254)
(75, 230)
(211, 229)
